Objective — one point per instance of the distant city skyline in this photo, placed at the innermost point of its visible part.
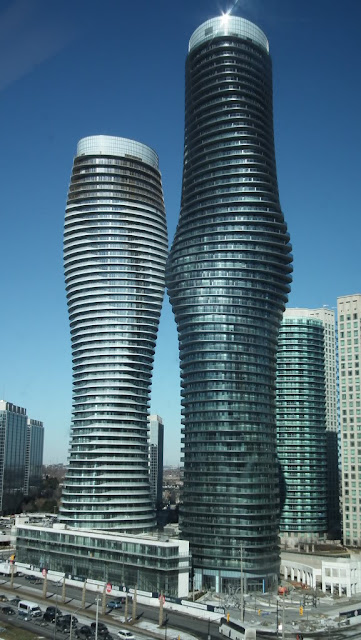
(119, 70)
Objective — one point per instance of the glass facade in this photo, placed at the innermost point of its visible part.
(152, 565)
(228, 277)
(34, 455)
(156, 446)
(301, 427)
(13, 434)
(115, 249)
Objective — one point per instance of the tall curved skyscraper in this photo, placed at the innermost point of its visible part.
(228, 277)
(115, 250)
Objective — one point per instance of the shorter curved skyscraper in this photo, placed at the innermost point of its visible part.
(115, 249)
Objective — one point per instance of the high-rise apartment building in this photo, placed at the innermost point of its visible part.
(301, 427)
(13, 432)
(349, 330)
(228, 277)
(21, 455)
(327, 317)
(115, 249)
(34, 455)
(156, 444)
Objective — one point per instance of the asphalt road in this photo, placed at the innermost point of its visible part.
(181, 622)
(175, 620)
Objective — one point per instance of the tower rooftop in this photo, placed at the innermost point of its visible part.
(114, 146)
(228, 25)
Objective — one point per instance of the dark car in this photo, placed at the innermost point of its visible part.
(114, 604)
(9, 611)
(84, 633)
(52, 609)
(3, 598)
(33, 579)
(64, 622)
(102, 628)
(15, 601)
(51, 613)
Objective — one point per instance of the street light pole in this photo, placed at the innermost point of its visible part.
(71, 626)
(97, 600)
(56, 606)
(71, 622)
(242, 586)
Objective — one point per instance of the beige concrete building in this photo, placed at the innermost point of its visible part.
(349, 326)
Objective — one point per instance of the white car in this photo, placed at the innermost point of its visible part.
(125, 635)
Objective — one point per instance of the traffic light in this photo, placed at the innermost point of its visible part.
(301, 610)
(259, 612)
(228, 617)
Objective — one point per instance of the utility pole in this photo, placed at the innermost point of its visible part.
(161, 609)
(283, 617)
(12, 576)
(63, 591)
(104, 599)
(134, 609)
(126, 609)
(83, 595)
(45, 584)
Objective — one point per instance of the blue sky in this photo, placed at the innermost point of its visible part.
(74, 68)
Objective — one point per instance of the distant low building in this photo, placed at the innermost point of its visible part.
(337, 571)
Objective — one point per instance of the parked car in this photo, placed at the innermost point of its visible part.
(3, 598)
(123, 634)
(107, 636)
(9, 611)
(102, 628)
(84, 633)
(14, 601)
(114, 604)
